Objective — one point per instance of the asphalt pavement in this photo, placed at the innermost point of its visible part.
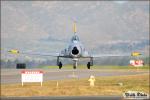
(10, 76)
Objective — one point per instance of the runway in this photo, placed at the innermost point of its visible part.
(9, 76)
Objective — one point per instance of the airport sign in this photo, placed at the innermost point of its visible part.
(31, 76)
(14, 51)
(136, 54)
(137, 63)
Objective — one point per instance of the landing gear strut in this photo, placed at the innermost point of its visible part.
(59, 63)
(89, 64)
(75, 65)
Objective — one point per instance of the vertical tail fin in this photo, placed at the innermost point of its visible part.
(74, 27)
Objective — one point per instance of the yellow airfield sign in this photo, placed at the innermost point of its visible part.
(14, 51)
(136, 54)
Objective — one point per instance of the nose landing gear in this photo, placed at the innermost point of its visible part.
(75, 63)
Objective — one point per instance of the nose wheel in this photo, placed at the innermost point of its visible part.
(75, 65)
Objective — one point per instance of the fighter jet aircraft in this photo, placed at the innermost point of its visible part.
(75, 51)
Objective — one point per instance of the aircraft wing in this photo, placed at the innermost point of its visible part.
(42, 54)
(111, 55)
(134, 54)
(14, 51)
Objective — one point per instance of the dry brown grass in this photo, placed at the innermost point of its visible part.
(76, 87)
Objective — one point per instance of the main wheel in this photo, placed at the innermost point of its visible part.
(74, 67)
(60, 65)
(88, 65)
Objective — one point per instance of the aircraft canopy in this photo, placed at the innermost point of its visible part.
(75, 38)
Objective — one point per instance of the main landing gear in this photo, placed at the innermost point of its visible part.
(89, 64)
(59, 63)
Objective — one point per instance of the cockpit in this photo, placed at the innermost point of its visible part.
(75, 38)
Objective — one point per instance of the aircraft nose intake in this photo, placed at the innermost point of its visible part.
(75, 51)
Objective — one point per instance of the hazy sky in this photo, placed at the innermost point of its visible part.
(46, 26)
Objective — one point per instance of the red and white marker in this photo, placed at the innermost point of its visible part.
(137, 63)
(31, 76)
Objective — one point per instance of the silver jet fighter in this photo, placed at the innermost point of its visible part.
(75, 51)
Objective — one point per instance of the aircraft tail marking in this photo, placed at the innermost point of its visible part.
(74, 27)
